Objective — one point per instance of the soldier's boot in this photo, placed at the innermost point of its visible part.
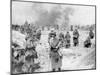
(59, 69)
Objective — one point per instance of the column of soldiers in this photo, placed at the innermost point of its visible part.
(64, 41)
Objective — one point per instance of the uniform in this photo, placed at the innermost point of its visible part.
(30, 53)
(75, 38)
(61, 36)
(38, 35)
(61, 39)
(67, 40)
(56, 58)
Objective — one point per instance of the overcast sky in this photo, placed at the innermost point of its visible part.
(22, 11)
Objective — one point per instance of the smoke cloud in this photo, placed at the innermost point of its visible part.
(40, 14)
(55, 15)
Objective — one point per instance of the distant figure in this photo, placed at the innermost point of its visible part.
(39, 34)
(71, 28)
(91, 34)
(75, 37)
(87, 42)
(61, 36)
(67, 40)
(56, 57)
(61, 39)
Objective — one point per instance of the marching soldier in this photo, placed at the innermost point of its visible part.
(67, 40)
(56, 57)
(87, 42)
(75, 37)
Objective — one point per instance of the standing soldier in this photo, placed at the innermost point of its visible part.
(67, 40)
(75, 37)
(30, 54)
(91, 34)
(61, 39)
(56, 57)
(61, 36)
(71, 28)
(39, 34)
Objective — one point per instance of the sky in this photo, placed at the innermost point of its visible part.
(43, 13)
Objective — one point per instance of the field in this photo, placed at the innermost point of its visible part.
(74, 58)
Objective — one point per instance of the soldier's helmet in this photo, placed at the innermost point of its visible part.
(53, 33)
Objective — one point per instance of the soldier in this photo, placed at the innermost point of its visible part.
(91, 34)
(61, 39)
(39, 34)
(75, 37)
(67, 40)
(61, 36)
(87, 42)
(56, 57)
(30, 55)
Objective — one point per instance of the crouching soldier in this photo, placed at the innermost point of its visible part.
(56, 57)
(67, 40)
(87, 43)
(91, 34)
(75, 37)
